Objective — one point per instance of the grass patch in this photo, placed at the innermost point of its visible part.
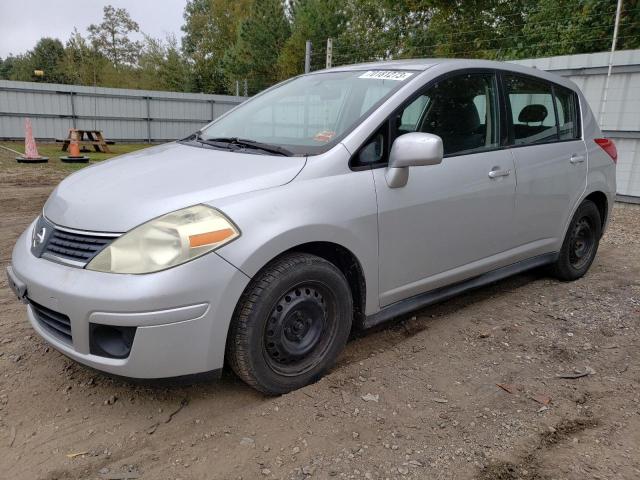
(54, 152)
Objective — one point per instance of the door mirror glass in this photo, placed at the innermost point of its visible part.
(416, 149)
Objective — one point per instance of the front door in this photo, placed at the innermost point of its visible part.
(450, 221)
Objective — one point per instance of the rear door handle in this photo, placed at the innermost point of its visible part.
(575, 158)
(497, 172)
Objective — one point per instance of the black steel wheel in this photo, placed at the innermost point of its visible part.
(300, 328)
(290, 324)
(580, 244)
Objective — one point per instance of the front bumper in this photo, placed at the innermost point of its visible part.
(182, 314)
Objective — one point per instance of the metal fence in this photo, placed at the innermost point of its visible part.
(619, 117)
(122, 114)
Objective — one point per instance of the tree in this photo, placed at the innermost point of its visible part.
(578, 26)
(83, 64)
(382, 29)
(314, 20)
(483, 28)
(210, 28)
(111, 37)
(47, 56)
(161, 65)
(6, 67)
(260, 39)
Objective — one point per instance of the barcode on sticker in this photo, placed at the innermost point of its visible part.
(386, 75)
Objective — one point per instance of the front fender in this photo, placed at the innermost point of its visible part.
(339, 209)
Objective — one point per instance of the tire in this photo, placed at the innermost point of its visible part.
(290, 325)
(580, 243)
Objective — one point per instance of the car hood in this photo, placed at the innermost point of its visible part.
(122, 193)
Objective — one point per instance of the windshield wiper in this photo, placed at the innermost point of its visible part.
(197, 136)
(246, 143)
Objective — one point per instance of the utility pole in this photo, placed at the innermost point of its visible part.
(329, 52)
(246, 88)
(307, 57)
(603, 105)
(237, 88)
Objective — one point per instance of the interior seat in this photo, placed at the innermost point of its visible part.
(457, 122)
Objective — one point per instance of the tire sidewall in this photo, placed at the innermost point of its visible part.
(564, 269)
(313, 270)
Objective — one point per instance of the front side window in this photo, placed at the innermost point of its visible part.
(532, 110)
(309, 114)
(461, 110)
(567, 106)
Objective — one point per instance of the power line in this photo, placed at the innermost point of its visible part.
(349, 57)
(394, 43)
(417, 42)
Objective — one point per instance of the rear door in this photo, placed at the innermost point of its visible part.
(550, 160)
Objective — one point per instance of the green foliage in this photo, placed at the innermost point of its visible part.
(111, 37)
(18, 68)
(562, 27)
(314, 20)
(82, 63)
(162, 67)
(260, 38)
(263, 41)
(46, 56)
(210, 29)
(383, 29)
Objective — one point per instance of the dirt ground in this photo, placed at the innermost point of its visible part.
(417, 398)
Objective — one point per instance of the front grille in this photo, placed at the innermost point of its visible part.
(78, 247)
(56, 323)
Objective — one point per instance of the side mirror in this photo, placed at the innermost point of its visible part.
(412, 150)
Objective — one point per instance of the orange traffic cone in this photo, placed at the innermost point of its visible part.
(74, 150)
(31, 154)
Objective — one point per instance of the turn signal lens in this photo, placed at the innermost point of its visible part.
(209, 238)
(167, 241)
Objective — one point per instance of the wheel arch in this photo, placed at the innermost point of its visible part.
(601, 201)
(347, 262)
(341, 257)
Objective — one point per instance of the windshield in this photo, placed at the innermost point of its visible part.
(309, 114)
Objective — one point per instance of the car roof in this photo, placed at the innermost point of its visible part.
(418, 64)
(422, 64)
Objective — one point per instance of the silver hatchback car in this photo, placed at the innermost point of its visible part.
(338, 199)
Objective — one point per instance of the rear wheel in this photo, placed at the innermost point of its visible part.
(290, 324)
(580, 244)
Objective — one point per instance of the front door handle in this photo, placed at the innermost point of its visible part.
(575, 158)
(497, 172)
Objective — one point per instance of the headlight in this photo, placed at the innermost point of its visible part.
(166, 241)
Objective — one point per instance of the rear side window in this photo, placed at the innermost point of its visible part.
(532, 110)
(567, 107)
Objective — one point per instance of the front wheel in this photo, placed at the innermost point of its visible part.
(580, 243)
(290, 324)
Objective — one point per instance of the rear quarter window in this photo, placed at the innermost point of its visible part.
(568, 113)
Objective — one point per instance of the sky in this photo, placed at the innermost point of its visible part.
(24, 22)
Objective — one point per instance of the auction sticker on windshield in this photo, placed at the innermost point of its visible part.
(386, 75)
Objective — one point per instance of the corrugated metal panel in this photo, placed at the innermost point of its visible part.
(628, 169)
(586, 60)
(122, 114)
